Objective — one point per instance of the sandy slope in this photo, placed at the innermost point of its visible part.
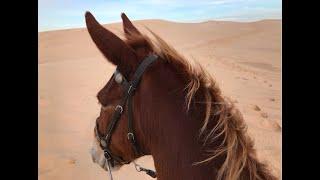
(244, 58)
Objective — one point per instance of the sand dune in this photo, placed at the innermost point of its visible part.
(244, 58)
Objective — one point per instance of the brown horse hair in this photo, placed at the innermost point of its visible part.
(236, 147)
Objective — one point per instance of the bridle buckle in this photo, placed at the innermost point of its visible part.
(131, 89)
(107, 155)
(119, 107)
(130, 136)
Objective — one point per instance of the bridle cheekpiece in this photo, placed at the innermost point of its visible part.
(129, 89)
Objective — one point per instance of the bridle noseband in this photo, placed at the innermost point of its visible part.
(129, 89)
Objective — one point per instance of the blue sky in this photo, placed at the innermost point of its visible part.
(62, 14)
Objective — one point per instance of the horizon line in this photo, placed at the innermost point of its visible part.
(173, 21)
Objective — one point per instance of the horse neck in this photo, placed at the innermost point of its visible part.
(177, 162)
(174, 146)
(169, 134)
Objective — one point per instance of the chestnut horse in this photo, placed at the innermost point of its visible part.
(179, 114)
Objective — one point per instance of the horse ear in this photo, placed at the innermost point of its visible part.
(128, 27)
(140, 45)
(111, 46)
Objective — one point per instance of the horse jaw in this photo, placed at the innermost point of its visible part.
(97, 156)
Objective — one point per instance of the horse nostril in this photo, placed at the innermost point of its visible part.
(102, 161)
(93, 155)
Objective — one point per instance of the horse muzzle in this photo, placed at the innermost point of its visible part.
(98, 157)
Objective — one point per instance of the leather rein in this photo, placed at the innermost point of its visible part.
(129, 89)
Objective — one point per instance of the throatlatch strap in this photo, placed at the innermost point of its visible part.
(142, 67)
(131, 135)
(130, 128)
(133, 84)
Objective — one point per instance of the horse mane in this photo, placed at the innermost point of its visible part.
(236, 148)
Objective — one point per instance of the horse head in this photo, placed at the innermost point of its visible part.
(178, 112)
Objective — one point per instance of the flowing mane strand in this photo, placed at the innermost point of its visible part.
(236, 148)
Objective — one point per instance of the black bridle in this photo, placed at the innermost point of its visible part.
(129, 89)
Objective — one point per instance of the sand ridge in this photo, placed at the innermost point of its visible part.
(244, 58)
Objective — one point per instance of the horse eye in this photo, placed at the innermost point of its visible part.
(118, 78)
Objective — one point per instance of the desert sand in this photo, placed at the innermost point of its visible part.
(244, 58)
